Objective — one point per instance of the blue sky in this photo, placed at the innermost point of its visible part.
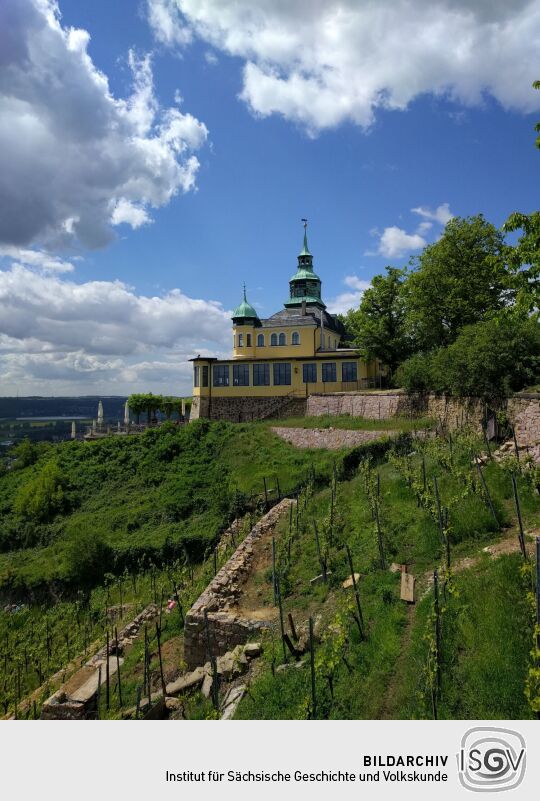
(377, 163)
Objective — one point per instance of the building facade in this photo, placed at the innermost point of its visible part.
(296, 352)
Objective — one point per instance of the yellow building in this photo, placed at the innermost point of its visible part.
(292, 354)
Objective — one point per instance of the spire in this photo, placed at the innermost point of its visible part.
(305, 249)
(245, 310)
(305, 284)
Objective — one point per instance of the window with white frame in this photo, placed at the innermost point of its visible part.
(295, 338)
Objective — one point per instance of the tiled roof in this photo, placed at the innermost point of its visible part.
(294, 317)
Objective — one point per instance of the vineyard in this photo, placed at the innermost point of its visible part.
(339, 641)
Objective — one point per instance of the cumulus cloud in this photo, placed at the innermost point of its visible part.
(323, 62)
(350, 299)
(441, 214)
(36, 258)
(57, 335)
(395, 242)
(74, 159)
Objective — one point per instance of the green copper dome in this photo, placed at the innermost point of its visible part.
(245, 310)
(305, 285)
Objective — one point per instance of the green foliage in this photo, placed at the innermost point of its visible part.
(153, 497)
(489, 360)
(457, 281)
(524, 259)
(87, 555)
(44, 496)
(25, 454)
(379, 327)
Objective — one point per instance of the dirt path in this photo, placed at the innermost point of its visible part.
(506, 546)
(390, 698)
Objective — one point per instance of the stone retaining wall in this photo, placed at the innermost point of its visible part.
(523, 410)
(246, 409)
(373, 406)
(330, 438)
(226, 629)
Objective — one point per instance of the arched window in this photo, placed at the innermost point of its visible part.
(260, 340)
(273, 339)
(282, 339)
(240, 340)
(296, 338)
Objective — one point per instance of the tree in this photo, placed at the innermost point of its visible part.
(524, 259)
(378, 328)
(44, 496)
(457, 281)
(536, 85)
(489, 360)
(26, 453)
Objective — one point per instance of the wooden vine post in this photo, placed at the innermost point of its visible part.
(487, 494)
(360, 618)
(439, 511)
(118, 668)
(312, 667)
(322, 561)
(274, 579)
(281, 620)
(379, 537)
(107, 675)
(538, 591)
(521, 535)
(437, 632)
(161, 676)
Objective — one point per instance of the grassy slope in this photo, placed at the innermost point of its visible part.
(486, 634)
(486, 629)
(137, 493)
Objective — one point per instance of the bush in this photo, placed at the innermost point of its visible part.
(88, 558)
(489, 360)
(45, 496)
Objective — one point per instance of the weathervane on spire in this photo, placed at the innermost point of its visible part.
(304, 220)
(244, 290)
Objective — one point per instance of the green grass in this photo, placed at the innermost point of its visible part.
(144, 496)
(354, 423)
(486, 630)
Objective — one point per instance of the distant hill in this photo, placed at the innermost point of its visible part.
(83, 406)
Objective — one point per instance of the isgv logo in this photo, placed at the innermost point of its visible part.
(491, 759)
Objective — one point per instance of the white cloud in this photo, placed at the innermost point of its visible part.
(73, 157)
(349, 300)
(323, 62)
(394, 242)
(165, 23)
(127, 212)
(57, 335)
(441, 214)
(36, 258)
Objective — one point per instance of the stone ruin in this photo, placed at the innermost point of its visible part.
(226, 629)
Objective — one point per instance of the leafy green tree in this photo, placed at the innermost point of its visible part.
(88, 557)
(536, 85)
(524, 259)
(168, 406)
(136, 403)
(489, 360)
(26, 453)
(457, 281)
(379, 328)
(44, 496)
